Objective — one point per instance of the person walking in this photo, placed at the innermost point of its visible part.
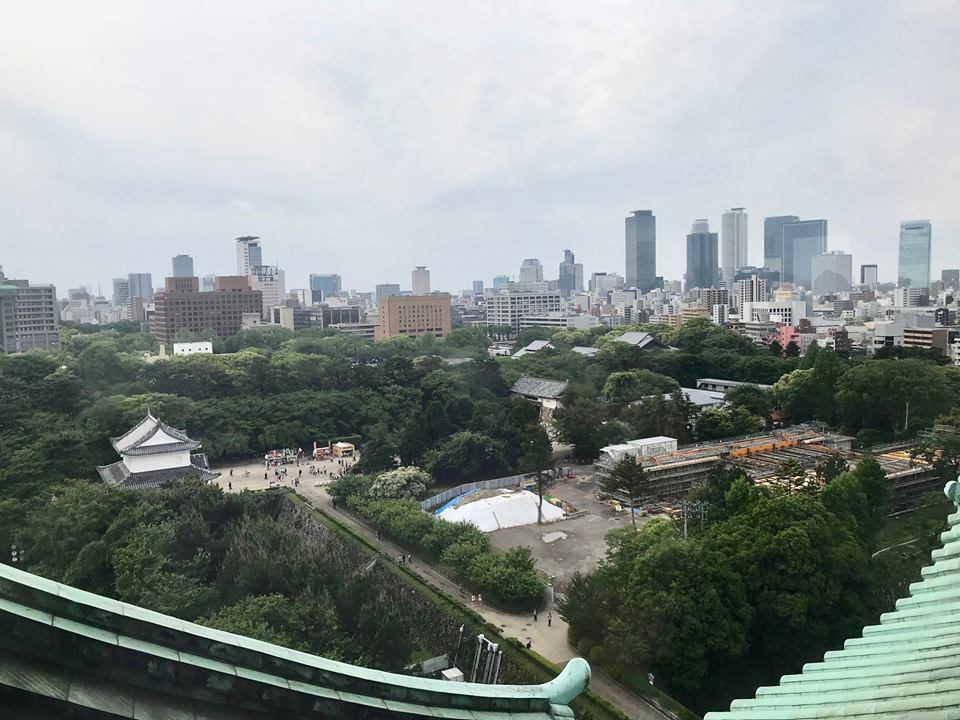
(534, 615)
(549, 619)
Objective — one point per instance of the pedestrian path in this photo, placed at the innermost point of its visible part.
(548, 640)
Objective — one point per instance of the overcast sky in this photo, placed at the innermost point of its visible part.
(367, 137)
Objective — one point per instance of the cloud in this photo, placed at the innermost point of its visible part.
(464, 136)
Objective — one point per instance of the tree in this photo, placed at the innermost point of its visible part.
(792, 349)
(405, 483)
(537, 458)
(467, 456)
(628, 385)
(717, 423)
(582, 422)
(755, 400)
(775, 348)
(830, 468)
(379, 450)
(628, 478)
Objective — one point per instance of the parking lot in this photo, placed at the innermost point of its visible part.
(568, 546)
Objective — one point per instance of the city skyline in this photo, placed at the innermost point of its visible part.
(107, 184)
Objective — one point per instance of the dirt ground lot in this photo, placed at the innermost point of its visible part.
(567, 546)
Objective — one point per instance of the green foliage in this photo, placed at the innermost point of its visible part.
(466, 457)
(622, 387)
(716, 423)
(403, 483)
(772, 583)
(627, 478)
(508, 579)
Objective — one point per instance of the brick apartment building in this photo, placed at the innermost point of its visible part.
(181, 306)
(414, 315)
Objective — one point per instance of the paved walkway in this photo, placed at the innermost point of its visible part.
(550, 641)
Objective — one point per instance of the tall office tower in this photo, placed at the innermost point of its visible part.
(420, 280)
(271, 282)
(701, 256)
(121, 291)
(832, 272)
(733, 243)
(182, 266)
(325, 286)
(571, 275)
(751, 290)
(249, 254)
(386, 290)
(478, 287)
(208, 283)
(868, 275)
(641, 250)
(29, 316)
(602, 283)
(141, 286)
(531, 270)
(950, 279)
(773, 241)
(500, 280)
(801, 241)
(914, 269)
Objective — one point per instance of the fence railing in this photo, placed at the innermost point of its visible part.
(447, 495)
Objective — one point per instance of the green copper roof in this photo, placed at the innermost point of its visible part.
(90, 651)
(908, 666)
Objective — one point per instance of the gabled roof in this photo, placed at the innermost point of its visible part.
(905, 667)
(150, 436)
(530, 386)
(583, 350)
(642, 340)
(533, 347)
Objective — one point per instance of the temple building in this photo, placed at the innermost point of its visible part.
(152, 454)
(905, 667)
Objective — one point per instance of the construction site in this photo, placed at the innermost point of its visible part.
(761, 456)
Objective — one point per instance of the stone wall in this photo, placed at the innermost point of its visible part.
(433, 628)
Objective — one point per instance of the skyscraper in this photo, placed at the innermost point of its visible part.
(571, 275)
(271, 282)
(733, 243)
(641, 250)
(121, 291)
(386, 290)
(801, 241)
(182, 266)
(500, 280)
(950, 278)
(325, 286)
(420, 280)
(868, 275)
(773, 241)
(478, 287)
(531, 270)
(914, 268)
(249, 254)
(701, 256)
(141, 286)
(831, 272)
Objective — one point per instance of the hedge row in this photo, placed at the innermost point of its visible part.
(508, 579)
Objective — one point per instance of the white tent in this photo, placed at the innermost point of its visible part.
(503, 509)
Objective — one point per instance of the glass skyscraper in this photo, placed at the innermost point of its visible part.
(325, 286)
(702, 267)
(773, 240)
(182, 266)
(641, 250)
(801, 241)
(914, 267)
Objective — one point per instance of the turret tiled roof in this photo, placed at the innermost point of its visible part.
(151, 436)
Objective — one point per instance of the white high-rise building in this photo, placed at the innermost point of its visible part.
(507, 307)
(531, 270)
(733, 244)
(270, 281)
(249, 254)
(420, 280)
(751, 290)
